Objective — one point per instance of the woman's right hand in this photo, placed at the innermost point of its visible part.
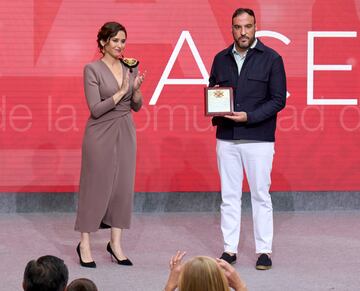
(123, 89)
(232, 276)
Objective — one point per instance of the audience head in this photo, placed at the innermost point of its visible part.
(202, 273)
(82, 284)
(47, 273)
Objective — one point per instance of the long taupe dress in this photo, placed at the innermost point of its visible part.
(108, 153)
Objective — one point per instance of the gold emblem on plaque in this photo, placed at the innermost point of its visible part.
(218, 94)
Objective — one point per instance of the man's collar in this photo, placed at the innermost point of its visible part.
(257, 44)
(234, 51)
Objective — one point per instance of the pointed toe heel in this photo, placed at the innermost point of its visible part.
(91, 264)
(125, 262)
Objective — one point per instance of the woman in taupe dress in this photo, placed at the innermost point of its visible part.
(109, 146)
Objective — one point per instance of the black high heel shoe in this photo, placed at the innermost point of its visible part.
(125, 262)
(82, 263)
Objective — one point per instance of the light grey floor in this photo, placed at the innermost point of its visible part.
(312, 250)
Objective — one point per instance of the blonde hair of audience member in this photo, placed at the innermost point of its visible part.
(202, 273)
(82, 284)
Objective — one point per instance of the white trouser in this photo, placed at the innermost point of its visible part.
(256, 159)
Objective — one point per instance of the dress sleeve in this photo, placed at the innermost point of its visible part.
(96, 105)
(136, 105)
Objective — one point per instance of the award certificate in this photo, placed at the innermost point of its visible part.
(218, 101)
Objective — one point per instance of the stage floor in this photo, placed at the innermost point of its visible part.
(312, 250)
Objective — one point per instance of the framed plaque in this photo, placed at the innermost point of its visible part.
(218, 101)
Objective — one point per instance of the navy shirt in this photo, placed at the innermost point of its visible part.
(259, 90)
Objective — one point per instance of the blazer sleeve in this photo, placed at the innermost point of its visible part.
(97, 106)
(212, 78)
(277, 94)
(213, 81)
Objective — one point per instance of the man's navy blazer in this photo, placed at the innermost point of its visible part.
(259, 90)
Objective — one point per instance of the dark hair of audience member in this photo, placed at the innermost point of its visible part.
(47, 273)
(82, 284)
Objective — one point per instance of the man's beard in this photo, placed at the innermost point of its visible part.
(242, 45)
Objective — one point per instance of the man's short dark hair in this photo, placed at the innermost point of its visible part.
(47, 273)
(240, 11)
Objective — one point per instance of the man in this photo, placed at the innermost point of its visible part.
(47, 273)
(245, 139)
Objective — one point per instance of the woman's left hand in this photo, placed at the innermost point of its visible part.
(175, 270)
(138, 80)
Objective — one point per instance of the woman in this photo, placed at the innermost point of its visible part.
(202, 274)
(112, 89)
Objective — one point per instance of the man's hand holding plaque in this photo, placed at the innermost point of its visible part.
(237, 116)
(218, 101)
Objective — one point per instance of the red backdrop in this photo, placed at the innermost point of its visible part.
(45, 44)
